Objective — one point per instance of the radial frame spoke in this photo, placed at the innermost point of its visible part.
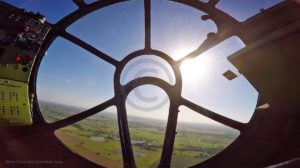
(127, 151)
(147, 8)
(206, 45)
(214, 116)
(79, 3)
(89, 48)
(170, 135)
(213, 2)
(80, 116)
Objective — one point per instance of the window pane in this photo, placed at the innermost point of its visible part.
(178, 29)
(70, 80)
(147, 109)
(205, 85)
(148, 65)
(199, 138)
(95, 138)
(116, 30)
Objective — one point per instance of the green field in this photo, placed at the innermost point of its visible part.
(97, 138)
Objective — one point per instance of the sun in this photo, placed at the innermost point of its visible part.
(195, 69)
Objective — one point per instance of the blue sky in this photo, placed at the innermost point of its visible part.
(70, 75)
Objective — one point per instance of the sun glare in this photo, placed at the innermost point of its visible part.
(195, 69)
(181, 51)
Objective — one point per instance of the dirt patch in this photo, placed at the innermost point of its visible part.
(66, 138)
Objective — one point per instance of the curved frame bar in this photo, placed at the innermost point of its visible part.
(122, 91)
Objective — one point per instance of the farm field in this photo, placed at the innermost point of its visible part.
(97, 138)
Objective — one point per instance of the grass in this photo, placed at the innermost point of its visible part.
(193, 143)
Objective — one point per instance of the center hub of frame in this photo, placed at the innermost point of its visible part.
(172, 85)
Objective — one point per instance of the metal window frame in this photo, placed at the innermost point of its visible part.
(227, 27)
